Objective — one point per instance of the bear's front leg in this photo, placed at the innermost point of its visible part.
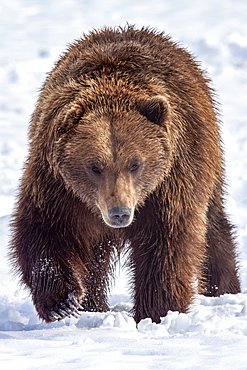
(56, 292)
(165, 269)
(161, 284)
(49, 262)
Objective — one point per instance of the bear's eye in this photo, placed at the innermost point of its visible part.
(134, 167)
(96, 169)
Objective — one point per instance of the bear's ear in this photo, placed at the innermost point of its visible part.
(155, 109)
(70, 118)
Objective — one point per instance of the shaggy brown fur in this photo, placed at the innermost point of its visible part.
(124, 149)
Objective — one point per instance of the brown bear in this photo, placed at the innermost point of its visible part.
(124, 151)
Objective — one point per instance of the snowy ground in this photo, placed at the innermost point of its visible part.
(214, 334)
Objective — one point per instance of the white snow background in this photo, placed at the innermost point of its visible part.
(213, 335)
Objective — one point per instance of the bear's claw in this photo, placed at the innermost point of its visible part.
(70, 307)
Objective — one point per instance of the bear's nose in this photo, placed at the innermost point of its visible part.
(119, 216)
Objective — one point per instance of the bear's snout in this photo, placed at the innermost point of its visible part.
(119, 216)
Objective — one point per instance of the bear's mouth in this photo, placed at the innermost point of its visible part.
(118, 217)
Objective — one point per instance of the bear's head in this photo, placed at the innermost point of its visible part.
(113, 158)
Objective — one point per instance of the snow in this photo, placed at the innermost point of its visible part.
(213, 335)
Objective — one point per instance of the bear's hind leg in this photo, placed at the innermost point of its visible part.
(97, 279)
(221, 272)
